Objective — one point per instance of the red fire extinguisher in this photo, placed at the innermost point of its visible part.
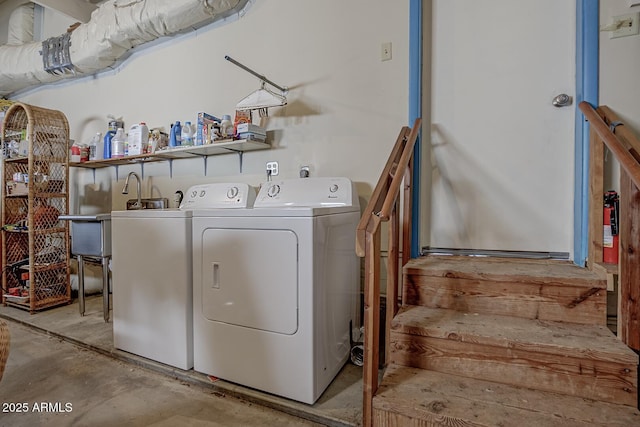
(611, 222)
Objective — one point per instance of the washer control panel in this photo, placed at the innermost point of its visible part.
(307, 192)
(218, 195)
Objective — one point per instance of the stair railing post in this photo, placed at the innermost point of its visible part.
(629, 263)
(625, 146)
(407, 211)
(393, 271)
(371, 318)
(384, 205)
(596, 193)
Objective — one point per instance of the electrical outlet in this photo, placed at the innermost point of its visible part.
(385, 51)
(273, 167)
(627, 25)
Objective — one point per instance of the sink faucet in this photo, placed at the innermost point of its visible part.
(125, 190)
(177, 197)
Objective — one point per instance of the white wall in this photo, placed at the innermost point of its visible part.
(345, 105)
(619, 87)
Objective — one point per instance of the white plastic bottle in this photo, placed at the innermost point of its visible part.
(187, 134)
(96, 147)
(138, 139)
(117, 144)
(226, 127)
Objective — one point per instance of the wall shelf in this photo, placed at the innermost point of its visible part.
(236, 146)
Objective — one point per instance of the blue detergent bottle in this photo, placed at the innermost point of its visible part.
(107, 143)
(175, 138)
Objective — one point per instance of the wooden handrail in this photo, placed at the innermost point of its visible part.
(384, 205)
(399, 175)
(626, 159)
(624, 134)
(379, 193)
(607, 129)
(382, 198)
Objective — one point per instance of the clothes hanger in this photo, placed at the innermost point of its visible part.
(261, 99)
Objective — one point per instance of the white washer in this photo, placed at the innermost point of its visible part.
(152, 274)
(276, 287)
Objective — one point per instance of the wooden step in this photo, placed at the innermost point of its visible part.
(533, 289)
(578, 360)
(412, 397)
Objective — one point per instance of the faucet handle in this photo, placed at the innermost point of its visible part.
(177, 197)
(134, 205)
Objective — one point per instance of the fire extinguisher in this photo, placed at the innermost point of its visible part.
(611, 223)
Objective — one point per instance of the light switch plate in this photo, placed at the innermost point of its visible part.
(385, 51)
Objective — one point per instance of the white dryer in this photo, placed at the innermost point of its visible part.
(152, 274)
(276, 288)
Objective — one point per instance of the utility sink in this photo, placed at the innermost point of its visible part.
(150, 203)
(90, 234)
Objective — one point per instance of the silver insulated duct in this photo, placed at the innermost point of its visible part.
(115, 27)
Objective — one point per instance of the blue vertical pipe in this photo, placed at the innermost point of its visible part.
(415, 111)
(587, 61)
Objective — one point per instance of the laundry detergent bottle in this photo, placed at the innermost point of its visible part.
(118, 144)
(175, 137)
(187, 134)
(96, 149)
(107, 143)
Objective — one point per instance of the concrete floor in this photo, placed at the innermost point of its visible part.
(60, 357)
(91, 389)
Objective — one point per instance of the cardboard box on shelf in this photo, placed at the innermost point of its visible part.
(204, 124)
(15, 188)
(251, 128)
(250, 136)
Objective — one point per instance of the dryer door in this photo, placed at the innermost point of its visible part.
(249, 278)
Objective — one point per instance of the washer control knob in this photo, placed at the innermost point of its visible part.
(232, 192)
(333, 188)
(273, 190)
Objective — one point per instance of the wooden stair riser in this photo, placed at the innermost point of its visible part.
(530, 300)
(412, 397)
(593, 379)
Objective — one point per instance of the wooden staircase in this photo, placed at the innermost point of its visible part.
(499, 342)
(480, 341)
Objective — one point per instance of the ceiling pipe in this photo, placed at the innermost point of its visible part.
(115, 27)
(76, 9)
(21, 25)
